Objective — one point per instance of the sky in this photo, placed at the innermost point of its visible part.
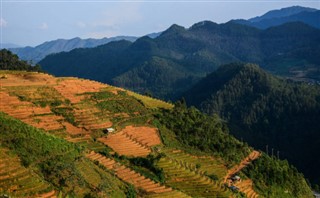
(32, 22)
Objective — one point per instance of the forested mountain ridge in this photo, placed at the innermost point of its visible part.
(10, 61)
(179, 57)
(265, 110)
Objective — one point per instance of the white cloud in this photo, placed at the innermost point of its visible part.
(81, 24)
(3, 23)
(43, 26)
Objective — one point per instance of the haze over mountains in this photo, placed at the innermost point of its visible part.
(308, 16)
(171, 63)
(35, 54)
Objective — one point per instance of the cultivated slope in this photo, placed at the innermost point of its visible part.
(62, 142)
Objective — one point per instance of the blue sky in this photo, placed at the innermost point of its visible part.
(32, 22)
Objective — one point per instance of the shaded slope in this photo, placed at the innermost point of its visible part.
(265, 110)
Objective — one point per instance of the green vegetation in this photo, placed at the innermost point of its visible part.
(149, 163)
(191, 128)
(30, 183)
(276, 178)
(181, 177)
(265, 110)
(172, 63)
(150, 102)
(10, 61)
(39, 95)
(57, 161)
(210, 166)
(66, 112)
(196, 152)
(100, 180)
(53, 156)
(120, 103)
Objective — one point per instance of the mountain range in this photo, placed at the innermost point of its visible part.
(71, 137)
(174, 61)
(35, 54)
(272, 18)
(271, 113)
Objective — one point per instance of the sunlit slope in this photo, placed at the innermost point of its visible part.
(58, 127)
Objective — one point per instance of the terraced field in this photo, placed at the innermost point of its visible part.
(96, 177)
(124, 144)
(90, 117)
(189, 181)
(246, 186)
(234, 170)
(204, 165)
(151, 102)
(17, 181)
(145, 135)
(30, 113)
(72, 88)
(128, 175)
(68, 108)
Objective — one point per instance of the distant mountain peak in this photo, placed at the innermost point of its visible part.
(283, 12)
(273, 18)
(204, 25)
(173, 29)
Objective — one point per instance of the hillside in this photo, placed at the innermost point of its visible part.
(272, 18)
(265, 110)
(174, 61)
(35, 54)
(55, 139)
(10, 61)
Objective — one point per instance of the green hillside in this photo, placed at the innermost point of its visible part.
(265, 110)
(71, 137)
(10, 61)
(174, 61)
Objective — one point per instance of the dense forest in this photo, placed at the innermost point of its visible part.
(276, 178)
(265, 110)
(196, 130)
(173, 62)
(10, 61)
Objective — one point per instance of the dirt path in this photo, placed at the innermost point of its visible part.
(252, 156)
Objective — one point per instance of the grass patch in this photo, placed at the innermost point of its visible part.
(66, 112)
(151, 102)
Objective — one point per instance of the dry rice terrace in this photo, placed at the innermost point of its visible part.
(79, 111)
